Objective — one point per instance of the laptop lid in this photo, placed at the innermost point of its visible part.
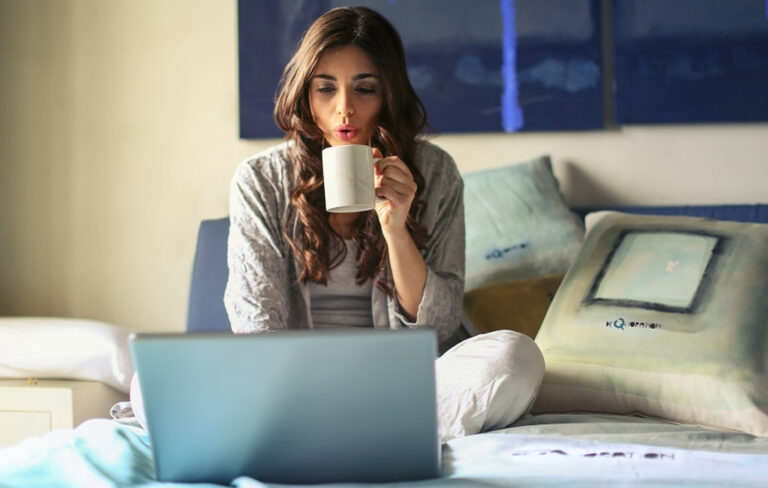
(291, 406)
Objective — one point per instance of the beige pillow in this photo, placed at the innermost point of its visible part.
(517, 305)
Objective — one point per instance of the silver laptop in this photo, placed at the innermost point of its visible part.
(291, 407)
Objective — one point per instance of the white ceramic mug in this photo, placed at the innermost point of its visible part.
(349, 178)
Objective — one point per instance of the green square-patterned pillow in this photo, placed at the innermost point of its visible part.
(662, 316)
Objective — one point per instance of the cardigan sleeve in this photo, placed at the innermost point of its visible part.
(257, 296)
(441, 303)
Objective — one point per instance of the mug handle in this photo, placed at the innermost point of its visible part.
(376, 200)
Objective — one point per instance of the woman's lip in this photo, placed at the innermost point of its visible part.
(346, 133)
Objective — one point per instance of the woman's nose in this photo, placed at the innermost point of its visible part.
(344, 104)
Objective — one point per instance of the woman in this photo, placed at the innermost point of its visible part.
(294, 265)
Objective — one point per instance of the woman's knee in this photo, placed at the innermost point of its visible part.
(487, 382)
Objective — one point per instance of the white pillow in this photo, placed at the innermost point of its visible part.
(486, 382)
(42, 347)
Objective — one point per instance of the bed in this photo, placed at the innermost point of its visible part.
(546, 450)
(636, 440)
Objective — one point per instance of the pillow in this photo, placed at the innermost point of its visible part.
(666, 317)
(65, 348)
(517, 224)
(517, 305)
(486, 382)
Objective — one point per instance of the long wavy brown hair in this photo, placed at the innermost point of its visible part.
(317, 247)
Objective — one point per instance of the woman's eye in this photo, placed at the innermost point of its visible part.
(325, 89)
(366, 90)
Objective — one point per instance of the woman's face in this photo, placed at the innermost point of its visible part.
(345, 96)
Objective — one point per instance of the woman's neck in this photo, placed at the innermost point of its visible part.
(342, 223)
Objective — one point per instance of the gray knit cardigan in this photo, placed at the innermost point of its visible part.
(262, 292)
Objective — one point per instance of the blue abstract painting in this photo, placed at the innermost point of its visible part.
(690, 61)
(481, 66)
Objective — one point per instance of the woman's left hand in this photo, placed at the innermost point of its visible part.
(394, 182)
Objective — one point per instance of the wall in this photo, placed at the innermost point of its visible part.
(119, 133)
(34, 108)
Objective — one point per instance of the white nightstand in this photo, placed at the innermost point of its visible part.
(34, 407)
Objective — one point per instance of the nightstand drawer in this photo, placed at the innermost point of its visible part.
(30, 408)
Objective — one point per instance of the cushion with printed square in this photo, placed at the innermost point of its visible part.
(663, 316)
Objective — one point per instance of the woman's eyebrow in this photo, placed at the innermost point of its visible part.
(361, 76)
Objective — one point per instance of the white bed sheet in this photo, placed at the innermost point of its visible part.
(542, 451)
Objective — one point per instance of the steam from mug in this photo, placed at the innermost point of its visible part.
(349, 178)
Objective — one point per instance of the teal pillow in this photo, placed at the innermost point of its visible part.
(518, 225)
(662, 316)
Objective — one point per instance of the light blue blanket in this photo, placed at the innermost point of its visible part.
(550, 451)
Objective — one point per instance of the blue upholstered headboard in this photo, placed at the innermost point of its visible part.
(206, 311)
(209, 274)
(735, 213)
